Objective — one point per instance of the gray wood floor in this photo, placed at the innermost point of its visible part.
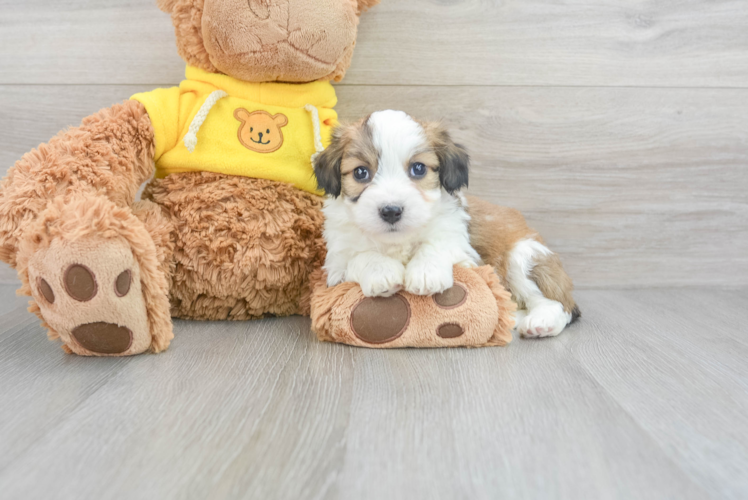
(647, 397)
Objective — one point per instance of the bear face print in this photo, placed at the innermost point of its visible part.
(260, 131)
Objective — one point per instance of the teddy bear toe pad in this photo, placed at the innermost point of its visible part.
(80, 283)
(89, 292)
(451, 297)
(450, 331)
(378, 320)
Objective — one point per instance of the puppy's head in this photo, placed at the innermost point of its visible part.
(391, 171)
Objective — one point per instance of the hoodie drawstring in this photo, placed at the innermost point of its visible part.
(190, 140)
(318, 147)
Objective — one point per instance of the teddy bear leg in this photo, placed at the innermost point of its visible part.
(94, 273)
(244, 247)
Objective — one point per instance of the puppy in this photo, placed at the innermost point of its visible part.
(394, 218)
(527, 267)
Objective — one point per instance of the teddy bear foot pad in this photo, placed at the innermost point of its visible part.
(89, 293)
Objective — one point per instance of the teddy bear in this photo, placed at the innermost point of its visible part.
(230, 225)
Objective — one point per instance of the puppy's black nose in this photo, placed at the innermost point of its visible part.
(391, 213)
(260, 135)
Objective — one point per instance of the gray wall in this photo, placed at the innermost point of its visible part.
(619, 129)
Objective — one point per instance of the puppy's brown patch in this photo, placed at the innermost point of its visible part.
(351, 146)
(431, 179)
(548, 273)
(452, 158)
(359, 151)
(495, 230)
(436, 135)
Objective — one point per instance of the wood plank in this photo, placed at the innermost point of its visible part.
(34, 400)
(698, 43)
(262, 410)
(470, 42)
(523, 422)
(661, 352)
(11, 301)
(633, 187)
(87, 41)
(253, 404)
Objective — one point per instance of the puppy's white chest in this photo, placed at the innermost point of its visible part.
(400, 252)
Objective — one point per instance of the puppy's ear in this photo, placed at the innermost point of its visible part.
(454, 166)
(327, 163)
(454, 161)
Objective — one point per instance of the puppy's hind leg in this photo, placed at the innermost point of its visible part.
(541, 287)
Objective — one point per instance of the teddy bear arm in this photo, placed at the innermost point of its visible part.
(110, 154)
(476, 311)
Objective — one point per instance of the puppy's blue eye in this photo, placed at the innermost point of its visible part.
(418, 170)
(361, 174)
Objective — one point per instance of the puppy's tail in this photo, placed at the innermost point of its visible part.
(551, 278)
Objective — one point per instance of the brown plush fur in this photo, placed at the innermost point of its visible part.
(502, 333)
(366, 4)
(486, 317)
(166, 5)
(79, 218)
(219, 247)
(260, 41)
(227, 247)
(243, 247)
(494, 231)
(187, 16)
(162, 230)
(111, 154)
(237, 248)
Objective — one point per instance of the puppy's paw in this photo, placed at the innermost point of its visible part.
(545, 320)
(383, 279)
(335, 277)
(427, 277)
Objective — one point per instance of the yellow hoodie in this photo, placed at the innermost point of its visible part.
(215, 123)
